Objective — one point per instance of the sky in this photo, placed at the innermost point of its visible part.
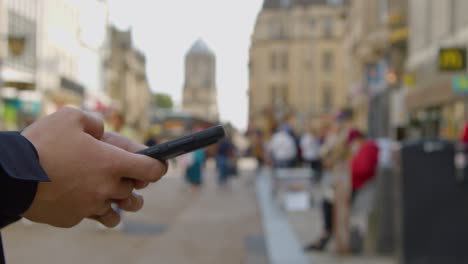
(166, 29)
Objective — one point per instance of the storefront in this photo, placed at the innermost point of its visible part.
(19, 108)
(435, 111)
(20, 103)
(69, 93)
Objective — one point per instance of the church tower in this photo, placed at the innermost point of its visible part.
(199, 95)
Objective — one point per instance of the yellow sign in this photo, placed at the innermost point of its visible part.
(452, 59)
(398, 35)
(409, 80)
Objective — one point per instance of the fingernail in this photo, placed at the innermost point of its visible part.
(128, 202)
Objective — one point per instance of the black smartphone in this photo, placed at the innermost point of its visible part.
(174, 148)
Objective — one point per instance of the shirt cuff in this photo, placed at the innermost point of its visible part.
(19, 158)
(20, 172)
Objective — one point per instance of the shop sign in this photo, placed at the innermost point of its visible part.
(375, 76)
(452, 59)
(460, 84)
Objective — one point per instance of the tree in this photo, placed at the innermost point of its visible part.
(162, 100)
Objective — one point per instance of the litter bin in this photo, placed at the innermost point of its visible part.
(434, 205)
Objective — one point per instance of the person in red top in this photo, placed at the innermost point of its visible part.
(363, 164)
(464, 135)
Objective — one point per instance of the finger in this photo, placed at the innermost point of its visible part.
(122, 142)
(140, 184)
(101, 210)
(123, 189)
(92, 125)
(139, 167)
(109, 219)
(132, 204)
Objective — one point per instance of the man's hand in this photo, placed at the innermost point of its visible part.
(89, 170)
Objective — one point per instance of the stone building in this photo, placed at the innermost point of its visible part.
(199, 94)
(435, 109)
(296, 62)
(126, 80)
(375, 52)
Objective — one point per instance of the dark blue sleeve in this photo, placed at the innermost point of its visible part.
(20, 172)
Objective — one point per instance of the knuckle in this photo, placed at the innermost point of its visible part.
(72, 114)
(70, 111)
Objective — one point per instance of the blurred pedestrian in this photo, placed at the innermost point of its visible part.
(364, 161)
(335, 155)
(59, 180)
(224, 155)
(283, 148)
(151, 140)
(464, 134)
(258, 148)
(310, 146)
(194, 168)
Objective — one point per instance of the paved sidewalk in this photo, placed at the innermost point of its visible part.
(296, 229)
(308, 225)
(175, 226)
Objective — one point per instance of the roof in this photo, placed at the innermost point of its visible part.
(276, 4)
(200, 48)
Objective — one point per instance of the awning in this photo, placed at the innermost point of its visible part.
(12, 75)
(432, 95)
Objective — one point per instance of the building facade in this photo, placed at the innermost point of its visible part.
(436, 110)
(199, 93)
(20, 100)
(375, 46)
(296, 63)
(51, 56)
(126, 81)
(70, 51)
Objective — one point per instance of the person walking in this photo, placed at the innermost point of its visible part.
(224, 155)
(194, 169)
(310, 146)
(283, 148)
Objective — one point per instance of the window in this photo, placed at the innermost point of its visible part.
(383, 10)
(277, 29)
(312, 22)
(328, 27)
(207, 83)
(273, 95)
(327, 98)
(279, 61)
(273, 59)
(21, 40)
(428, 23)
(462, 19)
(284, 61)
(327, 61)
(459, 20)
(284, 3)
(453, 16)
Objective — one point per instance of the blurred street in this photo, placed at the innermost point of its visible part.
(175, 226)
(345, 131)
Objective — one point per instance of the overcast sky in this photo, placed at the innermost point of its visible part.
(165, 30)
